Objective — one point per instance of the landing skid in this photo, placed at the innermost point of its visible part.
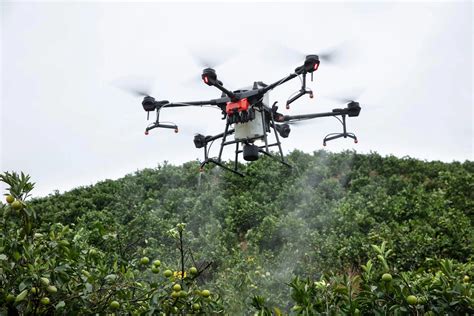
(264, 149)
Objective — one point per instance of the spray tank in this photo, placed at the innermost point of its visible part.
(249, 121)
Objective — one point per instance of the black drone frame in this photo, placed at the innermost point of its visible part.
(243, 106)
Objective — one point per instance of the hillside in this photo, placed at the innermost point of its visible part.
(251, 237)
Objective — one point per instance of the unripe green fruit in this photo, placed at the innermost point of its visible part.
(44, 281)
(386, 277)
(182, 293)
(52, 289)
(10, 298)
(205, 293)
(44, 301)
(34, 290)
(196, 306)
(17, 205)
(157, 263)
(168, 273)
(10, 199)
(155, 269)
(144, 260)
(114, 305)
(193, 270)
(175, 294)
(412, 299)
(177, 287)
(466, 279)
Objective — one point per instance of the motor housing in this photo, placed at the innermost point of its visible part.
(251, 152)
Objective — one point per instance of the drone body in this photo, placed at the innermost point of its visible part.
(250, 123)
(250, 119)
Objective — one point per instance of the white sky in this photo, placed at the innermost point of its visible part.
(64, 122)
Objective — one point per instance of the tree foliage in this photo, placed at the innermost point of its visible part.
(311, 227)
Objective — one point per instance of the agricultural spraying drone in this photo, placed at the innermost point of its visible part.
(250, 118)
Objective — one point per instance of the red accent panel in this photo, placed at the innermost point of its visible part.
(239, 106)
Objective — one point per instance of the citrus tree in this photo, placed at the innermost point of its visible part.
(442, 288)
(56, 270)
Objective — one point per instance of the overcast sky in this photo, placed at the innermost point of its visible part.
(65, 122)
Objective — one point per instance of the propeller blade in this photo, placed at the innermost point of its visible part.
(139, 92)
(343, 99)
(206, 62)
(211, 58)
(194, 82)
(283, 53)
(333, 55)
(136, 86)
(300, 123)
(348, 96)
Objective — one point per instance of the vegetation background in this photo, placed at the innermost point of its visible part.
(338, 234)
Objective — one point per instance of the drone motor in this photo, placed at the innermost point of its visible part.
(354, 108)
(199, 141)
(311, 63)
(283, 129)
(149, 104)
(209, 76)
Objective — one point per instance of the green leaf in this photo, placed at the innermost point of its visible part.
(20, 297)
(89, 287)
(377, 249)
(22, 286)
(111, 277)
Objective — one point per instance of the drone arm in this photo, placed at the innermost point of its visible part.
(311, 64)
(194, 103)
(230, 94)
(212, 138)
(202, 141)
(288, 118)
(352, 110)
(149, 104)
(277, 83)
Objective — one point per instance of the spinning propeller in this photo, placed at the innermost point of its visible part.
(334, 56)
